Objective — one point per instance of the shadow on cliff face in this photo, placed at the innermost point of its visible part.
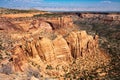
(109, 40)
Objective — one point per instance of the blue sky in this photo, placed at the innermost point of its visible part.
(63, 5)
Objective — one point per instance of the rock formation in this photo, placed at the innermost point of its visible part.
(106, 18)
(8, 26)
(61, 48)
(19, 59)
(58, 51)
(45, 49)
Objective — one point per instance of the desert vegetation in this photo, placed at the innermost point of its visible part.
(48, 15)
(16, 11)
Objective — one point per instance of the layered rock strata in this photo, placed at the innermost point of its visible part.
(60, 51)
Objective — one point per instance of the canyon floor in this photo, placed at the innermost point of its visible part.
(39, 45)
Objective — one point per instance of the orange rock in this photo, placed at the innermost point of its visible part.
(45, 49)
(58, 53)
(8, 26)
(19, 58)
(80, 42)
(61, 48)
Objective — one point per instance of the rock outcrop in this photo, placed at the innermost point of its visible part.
(61, 48)
(56, 52)
(19, 59)
(34, 25)
(81, 43)
(106, 18)
(45, 49)
(40, 24)
(8, 26)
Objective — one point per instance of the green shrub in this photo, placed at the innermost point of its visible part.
(49, 67)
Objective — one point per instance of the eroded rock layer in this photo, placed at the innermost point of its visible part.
(59, 53)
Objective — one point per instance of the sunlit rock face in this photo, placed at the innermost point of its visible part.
(45, 49)
(80, 42)
(19, 59)
(28, 23)
(8, 26)
(61, 51)
(51, 23)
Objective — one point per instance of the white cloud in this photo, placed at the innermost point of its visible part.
(106, 1)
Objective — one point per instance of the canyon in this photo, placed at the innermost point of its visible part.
(53, 47)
